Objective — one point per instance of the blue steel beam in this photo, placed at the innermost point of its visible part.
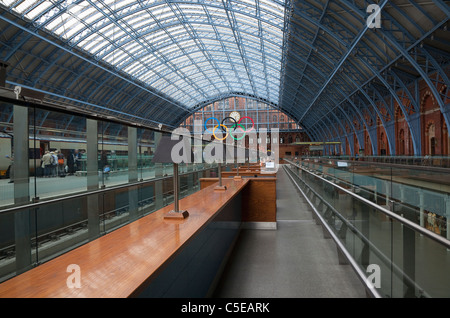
(400, 103)
(390, 83)
(101, 24)
(45, 39)
(111, 16)
(344, 57)
(404, 51)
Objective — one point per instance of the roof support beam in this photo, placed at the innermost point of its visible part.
(344, 57)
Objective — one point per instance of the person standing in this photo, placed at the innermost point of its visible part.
(46, 159)
(54, 163)
(11, 169)
(61, 164)
(71, 163)
(76, 160)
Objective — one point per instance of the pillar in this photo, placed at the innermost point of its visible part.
(21, 163)
(93, 206)
(20, 169)
(133, 192)
(158, 174)
(421, 207)
(447, 215)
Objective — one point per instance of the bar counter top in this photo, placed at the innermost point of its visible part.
(122, 263)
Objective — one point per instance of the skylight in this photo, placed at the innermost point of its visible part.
(190, 50)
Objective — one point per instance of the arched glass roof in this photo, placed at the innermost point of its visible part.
(157, 62)
(191, 51)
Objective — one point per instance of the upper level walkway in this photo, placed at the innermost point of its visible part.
(295, 261)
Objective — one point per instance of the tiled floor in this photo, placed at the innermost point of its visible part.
(294, 261)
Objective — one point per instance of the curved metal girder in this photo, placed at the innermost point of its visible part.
(389, 86)
(345, 95)
(409, 121)
(404, 52)
(60, 13)
(41, 37)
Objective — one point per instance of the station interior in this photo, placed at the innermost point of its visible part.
(224, 149)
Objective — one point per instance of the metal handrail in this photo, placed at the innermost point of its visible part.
(354, 230)
(361, 275)
(390, 214)
(362, 161)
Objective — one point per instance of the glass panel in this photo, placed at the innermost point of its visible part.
(147, 198)
(167, 191)
(7, 249)
(432, 277)
(6, 153)
(61, 226)
(118, 208)
(146, 149)
(57, 145)
(409, 264)
(17, 243)
(112, 153)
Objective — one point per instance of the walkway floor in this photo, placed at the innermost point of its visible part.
(294, 261)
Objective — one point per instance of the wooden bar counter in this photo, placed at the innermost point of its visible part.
(259, 207)
(124, 262)
(246, 173)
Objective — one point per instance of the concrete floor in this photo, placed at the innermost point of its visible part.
(294, 261)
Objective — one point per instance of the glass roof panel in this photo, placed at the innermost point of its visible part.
(38, 9)
(191, 51)
(93, 17)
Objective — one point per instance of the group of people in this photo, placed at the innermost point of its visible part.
(435, 223)
(55, 164)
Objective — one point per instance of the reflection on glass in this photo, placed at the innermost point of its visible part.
(69, 155)
(146, 148)
(410, 264)
(424, 189)
(56, 153)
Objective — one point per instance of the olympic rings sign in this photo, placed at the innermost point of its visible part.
(229, 131)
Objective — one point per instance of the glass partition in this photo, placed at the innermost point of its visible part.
(424, 189)
(66, 180)
(30, 236)
(51, 146)
(146, 149)
(421, 161)
(409, 263)
(57, 148)
(113, 163)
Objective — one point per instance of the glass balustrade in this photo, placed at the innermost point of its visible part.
(411, 260)
(423, 189)
(66, 180)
